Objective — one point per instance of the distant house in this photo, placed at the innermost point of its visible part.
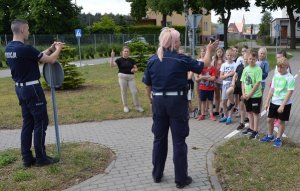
(284, 28)
(205, 24)
(237, 27)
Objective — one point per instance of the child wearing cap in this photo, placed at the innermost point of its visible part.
(279, 101)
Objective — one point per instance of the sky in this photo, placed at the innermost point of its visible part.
(122, 7)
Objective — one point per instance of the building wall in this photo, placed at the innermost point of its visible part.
(283, 22)
(179, 20)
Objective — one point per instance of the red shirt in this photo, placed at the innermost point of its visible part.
(206, 84)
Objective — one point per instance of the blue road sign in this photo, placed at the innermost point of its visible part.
(277, 27)
(78, 33)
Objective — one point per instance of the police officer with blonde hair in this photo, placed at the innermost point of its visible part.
(166, 83)
(23, 61)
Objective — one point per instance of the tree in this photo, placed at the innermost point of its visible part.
(106, 25)
(224, 8)
(165, 7)
(138, 8)
(46, 17)
(264, 27)
(291, 6)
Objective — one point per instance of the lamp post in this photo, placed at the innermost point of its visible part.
(185, 2)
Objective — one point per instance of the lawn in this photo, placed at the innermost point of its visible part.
(99, 99)
(79, 161)
(244, 164)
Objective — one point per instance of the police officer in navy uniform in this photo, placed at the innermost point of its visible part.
(23, 61)
(166, 84)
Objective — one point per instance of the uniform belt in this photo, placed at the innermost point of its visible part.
(179, 93)
(27, 83)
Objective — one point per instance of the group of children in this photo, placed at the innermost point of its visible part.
(239, 82)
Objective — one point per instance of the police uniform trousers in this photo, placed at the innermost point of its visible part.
(170, 111)
(35, 120)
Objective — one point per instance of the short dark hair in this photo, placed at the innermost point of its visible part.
(283, 52)
(245, 46)
(253, 53)
(15, 25)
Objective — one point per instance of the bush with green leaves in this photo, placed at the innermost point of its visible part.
(142, 52)
(2, 59)
(72, 77)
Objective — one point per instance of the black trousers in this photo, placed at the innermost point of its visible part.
(35, 121)
(170, 112)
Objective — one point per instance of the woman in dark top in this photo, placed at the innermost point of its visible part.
(127, 68)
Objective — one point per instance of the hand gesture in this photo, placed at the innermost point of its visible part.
(112, 54)
(280, 109)
(58, 45)
(266, 107)
(212, 45)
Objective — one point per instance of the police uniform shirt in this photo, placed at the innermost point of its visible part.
(125, 65)
(23, 61)
(170, 74)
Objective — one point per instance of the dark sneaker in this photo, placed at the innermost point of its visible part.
(223, 120)
(267, 138)
(241, 126)
(254, 135)
(157, 180)
(188, 181)
(230, 106)
(277, 143)
(47, 161)
(216, 113)
(30, 163)
(248, 130)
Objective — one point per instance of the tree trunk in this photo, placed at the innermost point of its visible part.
(293, 21)
(164, 20)
(293, 33)
(225, 33)
(226, 21)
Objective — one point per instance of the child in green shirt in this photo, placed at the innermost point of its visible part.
(283, 85)
(252, 93)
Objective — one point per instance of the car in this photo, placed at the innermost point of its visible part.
(137, 39)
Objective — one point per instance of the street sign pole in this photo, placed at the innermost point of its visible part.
(79, 48)
(52, 85)
(54, 76)
(78, 36)
(194, 20)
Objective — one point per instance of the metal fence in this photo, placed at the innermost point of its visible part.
(95, 40)
(41, 40)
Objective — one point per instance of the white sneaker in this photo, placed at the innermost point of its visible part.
(140, 109)
(126, 109)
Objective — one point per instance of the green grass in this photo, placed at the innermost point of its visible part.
(99, 99)
(79, 161)
(244, 164)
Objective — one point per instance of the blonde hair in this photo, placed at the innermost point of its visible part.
(215, 57)
(167, 39)
(283, 61)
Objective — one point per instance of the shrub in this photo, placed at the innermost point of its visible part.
(72, 77)
(142, 51)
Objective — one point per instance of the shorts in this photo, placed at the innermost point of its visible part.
(238, 91)
(253, 105)
(207, 95)
(224, 90)
(284, 116)
(190, 94)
